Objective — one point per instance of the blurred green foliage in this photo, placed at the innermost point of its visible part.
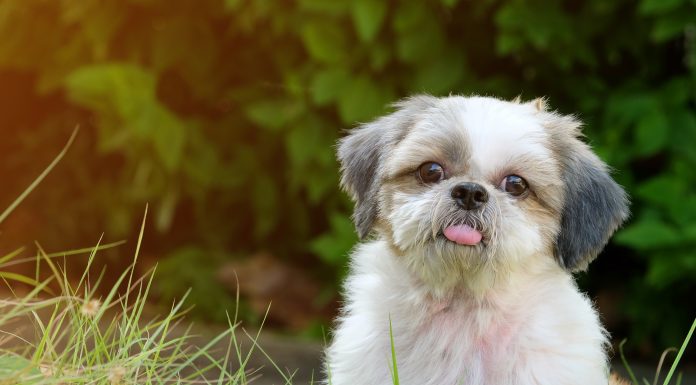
(223, 115)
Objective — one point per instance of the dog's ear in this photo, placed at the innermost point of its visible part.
(361, 154)
(594, 204)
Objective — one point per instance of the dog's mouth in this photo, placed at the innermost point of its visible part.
(463, 234)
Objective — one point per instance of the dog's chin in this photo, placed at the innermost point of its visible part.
(438, 259)
(452, 251)
(453, 241)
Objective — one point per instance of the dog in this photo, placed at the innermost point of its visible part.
(474, 214)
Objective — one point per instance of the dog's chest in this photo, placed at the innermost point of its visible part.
(479, 339)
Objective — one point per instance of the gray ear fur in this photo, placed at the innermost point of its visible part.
(594, 205)
(361, 154)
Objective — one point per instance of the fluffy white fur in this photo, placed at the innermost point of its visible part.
(505, 312)
(535, 328)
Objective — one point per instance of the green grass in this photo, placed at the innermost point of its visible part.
(394, 367)
(74, 336)
(658, 371)
(64, 332)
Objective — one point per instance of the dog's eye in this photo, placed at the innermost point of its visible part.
(431, 172)
(514, 185)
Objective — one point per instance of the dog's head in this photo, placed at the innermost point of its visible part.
(458, 183)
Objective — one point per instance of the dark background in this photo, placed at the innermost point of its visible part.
(222, 115)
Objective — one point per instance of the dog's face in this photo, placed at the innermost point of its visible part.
(456, 184)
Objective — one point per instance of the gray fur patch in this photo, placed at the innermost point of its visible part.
(359, 154)
(362, 151)
(594, 204)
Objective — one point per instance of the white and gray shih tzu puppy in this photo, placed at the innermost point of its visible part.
(481, 209)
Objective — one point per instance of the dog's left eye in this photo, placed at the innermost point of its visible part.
(431, 172)
(514, 185)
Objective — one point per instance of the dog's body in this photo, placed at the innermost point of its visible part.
(538, 330)
(482, 208)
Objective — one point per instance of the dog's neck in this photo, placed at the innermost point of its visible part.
(480, 282)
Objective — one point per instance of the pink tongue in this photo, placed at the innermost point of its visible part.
(463, 235)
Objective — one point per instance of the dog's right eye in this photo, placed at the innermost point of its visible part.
(431, 172)
(514, 185)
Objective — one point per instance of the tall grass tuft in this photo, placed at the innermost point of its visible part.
(64, 332)
(77, 337)
(658, 371)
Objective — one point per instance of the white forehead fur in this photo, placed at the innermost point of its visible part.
(495, 133)
(499, 130)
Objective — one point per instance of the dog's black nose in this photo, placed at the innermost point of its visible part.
(469, 195)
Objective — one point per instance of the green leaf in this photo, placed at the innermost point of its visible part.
(202, 165)
(650, 7)
(507, 19)
(689, 232)
(661, 191)
(194, 268)
(273, 114)
(98, 23)
(312, 167)
(325, 41)
(232, 5)
(543, 28)
(380, 56)
(168, 135)
(410, 15)
(361, 101)
(420, 44)
(626, 109)
(328, 84)
(508, 43)
(652, 132)
(123, 96)
(319, 188)
(122, 88)
(648, 234)
(333, 7)
(303, 143)
(676, 91)
(683, 124)
(670, 26)
(265, 200)
(440, 76)
(418, 38)
(368, 16)
(666, 268)
(333, 247)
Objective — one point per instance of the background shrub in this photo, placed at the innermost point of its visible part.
(223, 115)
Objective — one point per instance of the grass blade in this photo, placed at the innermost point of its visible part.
(625, 363)
(38, 179)
(18, 277)
(11, 255)
(661, 362)
(681, 351)
(395, 370)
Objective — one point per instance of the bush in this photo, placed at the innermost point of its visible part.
(223, 115)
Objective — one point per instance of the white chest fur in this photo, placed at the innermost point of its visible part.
(537, 328)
